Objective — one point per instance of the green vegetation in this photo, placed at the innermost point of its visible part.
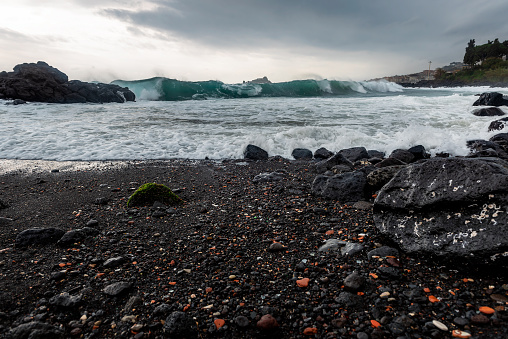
(149, 193)
(484, 64)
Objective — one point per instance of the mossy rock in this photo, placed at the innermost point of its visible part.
(149, 193)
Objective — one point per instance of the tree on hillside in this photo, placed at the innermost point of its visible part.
(470, 57)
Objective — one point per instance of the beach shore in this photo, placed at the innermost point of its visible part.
(234, 252)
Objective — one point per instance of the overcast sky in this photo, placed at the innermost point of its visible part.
(236, 40)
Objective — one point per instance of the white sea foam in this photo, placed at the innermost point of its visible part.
(439, 119)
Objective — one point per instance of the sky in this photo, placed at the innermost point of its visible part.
(239, 40)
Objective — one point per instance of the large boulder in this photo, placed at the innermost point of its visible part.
(38, 236)
(355, 153)
(328, 164)
(491, 99)
(43, 83)
(449, 209)
(488, 112)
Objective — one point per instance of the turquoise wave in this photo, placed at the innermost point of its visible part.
(165, 89)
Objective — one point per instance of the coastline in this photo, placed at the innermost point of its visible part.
(234, 251)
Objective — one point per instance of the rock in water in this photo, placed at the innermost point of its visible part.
(453, 208)
(488, 112)
(491, 99)
(302, 154)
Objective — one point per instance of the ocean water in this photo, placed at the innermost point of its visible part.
(376, 115)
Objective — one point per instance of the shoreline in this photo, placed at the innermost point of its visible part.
(234, 252)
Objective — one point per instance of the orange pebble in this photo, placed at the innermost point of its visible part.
(330, 232)
(426, 290)
(219, 323)
(487, 310)
(433, 299)
(375, 323)
(208, 289)
(310, 331)
(303, 282)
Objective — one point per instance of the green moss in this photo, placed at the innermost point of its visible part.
(149, 193)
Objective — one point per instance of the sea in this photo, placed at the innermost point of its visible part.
(173, 119)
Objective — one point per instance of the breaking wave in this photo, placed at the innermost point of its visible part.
(165, 89)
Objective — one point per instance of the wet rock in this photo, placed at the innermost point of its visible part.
(36, 330)
(363, 205)
(491, 99)
(302, 154)
(322, 153)
(253, 152)
(488, 112)
(479, 319)
(117, 288)
(180, 325)
(498, 125)
(267, 323)
(345, 187)
(350, 249)
(355, 153)
(402, 155)
(419, 152)
(38, 236)
(441, 208)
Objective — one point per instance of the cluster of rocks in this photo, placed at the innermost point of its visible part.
(39, 82)
(448, 208)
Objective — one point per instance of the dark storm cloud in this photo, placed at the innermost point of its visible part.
(385, 26)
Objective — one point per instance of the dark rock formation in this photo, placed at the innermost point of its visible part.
(419, 152)
(488, 112)
(345, 187)
(43, 83)
(253, 152)
(491, 99)
(451, 209)
(322, 153)
(355, 153)
(302, 154)
(337, 159)
(497, 125)
(402, 155)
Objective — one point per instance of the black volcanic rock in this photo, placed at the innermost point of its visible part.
(447, 208)
(491, 99)
(43, 83)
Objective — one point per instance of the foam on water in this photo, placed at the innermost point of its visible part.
(439, 119)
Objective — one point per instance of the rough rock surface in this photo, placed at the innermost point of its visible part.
(254, 152)
(355, 153)
(38, 236)
(448, 208)
(302, 154)
(491, 99)
(42, 83)
(337, 159)
(345, 187)
(488, 112)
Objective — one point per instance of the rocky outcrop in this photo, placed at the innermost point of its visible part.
(449, 209)
(488, 112)
(491, 99)
(42, 83)
(253, 152)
